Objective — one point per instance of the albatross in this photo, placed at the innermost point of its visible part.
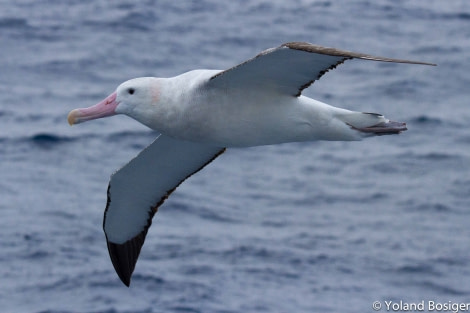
(202, 112)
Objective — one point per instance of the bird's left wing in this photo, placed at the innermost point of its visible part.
(290, 68)
(137, 190)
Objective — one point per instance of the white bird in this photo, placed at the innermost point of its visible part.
(202, 112)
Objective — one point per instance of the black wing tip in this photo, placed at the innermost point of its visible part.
(124, 256)
(120, 262)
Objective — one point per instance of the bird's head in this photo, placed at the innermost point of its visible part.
(135, 98)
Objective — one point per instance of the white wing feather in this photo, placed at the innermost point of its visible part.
(137, 190)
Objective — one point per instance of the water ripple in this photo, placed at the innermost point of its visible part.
(13, 22)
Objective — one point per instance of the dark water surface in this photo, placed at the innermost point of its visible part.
(311, 227)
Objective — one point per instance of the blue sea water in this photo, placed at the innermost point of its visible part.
(301, 227)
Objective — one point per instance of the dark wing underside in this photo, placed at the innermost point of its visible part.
(290, 68)
(137, 190)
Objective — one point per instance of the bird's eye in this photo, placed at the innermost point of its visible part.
(131, 91)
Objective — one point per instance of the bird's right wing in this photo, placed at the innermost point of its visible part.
(137, 190)
(289, 68)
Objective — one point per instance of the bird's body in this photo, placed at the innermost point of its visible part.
(202, 112)
(235, 122)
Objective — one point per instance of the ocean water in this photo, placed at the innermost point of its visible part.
(301, 227)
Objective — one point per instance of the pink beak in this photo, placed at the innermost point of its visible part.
(104, 108)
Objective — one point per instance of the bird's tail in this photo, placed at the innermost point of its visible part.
(372, 123)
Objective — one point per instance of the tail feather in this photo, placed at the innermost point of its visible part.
(388, 128)
(373, 123)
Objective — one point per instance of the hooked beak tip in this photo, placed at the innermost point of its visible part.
(71, 117)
